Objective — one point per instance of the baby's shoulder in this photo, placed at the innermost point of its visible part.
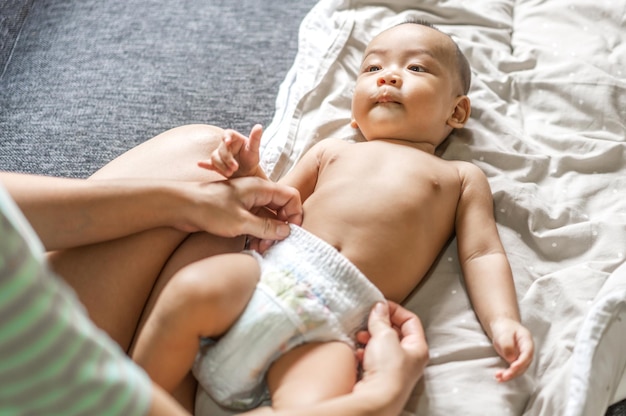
(331, 148)
(468, 173)
(466, 168)
(330, 144)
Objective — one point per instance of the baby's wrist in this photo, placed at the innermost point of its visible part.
(502, 322)
(259, 172)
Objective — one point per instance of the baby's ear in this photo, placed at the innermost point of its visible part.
(461, 113)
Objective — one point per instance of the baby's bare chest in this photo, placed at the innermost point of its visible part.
(410, 178)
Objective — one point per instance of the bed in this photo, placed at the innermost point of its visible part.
(548, 128)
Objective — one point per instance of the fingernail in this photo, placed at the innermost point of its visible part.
(283, 230)
(379, 308)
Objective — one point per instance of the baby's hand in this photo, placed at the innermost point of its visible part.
(514, 343)
(237, 155)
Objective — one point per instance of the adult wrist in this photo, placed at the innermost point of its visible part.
(174, 201)
(383, 397)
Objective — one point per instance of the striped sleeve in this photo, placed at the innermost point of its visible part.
(53, 360)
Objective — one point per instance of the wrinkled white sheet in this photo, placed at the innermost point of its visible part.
(548, 127)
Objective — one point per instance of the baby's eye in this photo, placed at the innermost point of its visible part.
(372, 68)
(416, 68)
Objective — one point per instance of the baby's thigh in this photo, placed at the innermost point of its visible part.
(312, 373)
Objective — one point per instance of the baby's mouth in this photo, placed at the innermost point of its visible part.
(386, 99)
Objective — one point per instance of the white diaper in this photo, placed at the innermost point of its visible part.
(308, 292)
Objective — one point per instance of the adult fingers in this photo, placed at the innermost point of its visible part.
(265, 229)
(378, 321)
(413, 339)
(408, 323)
(256, 192)
(407, 354)
(285, 200)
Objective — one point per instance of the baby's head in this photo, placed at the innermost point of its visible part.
(412, 86)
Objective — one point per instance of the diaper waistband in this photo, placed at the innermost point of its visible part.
(344, 289)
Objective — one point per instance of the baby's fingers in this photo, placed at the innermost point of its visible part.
(216, 164)
(222, 160)
(363, 337)
(224, 157)
(527, 350)
(519, 356)
(515, 369)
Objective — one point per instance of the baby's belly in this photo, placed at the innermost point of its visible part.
(393, 263)
(395, 275)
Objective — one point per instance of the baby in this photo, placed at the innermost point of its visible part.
(376, 215)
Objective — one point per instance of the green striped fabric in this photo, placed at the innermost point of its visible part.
(53, 360)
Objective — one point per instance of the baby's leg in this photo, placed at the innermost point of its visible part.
(202, 300)
(312, 373)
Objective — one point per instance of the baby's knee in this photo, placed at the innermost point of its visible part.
(193, 287)
(211, 293)
(216, 282)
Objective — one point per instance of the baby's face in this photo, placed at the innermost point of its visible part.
(407, 86)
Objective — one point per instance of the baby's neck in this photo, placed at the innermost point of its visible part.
(424, 146)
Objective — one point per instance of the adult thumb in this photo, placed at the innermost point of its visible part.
(267, 228)
(379, 318)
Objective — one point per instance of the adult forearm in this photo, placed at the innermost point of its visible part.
(71, 212)
(349, 405)
(164, 405)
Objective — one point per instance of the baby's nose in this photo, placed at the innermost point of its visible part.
(389, 78)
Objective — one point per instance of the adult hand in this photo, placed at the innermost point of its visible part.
(393, 361)
(226, 208)
(395, 354)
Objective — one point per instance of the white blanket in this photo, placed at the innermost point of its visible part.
(548, 127)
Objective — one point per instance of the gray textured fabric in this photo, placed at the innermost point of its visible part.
(618, 409)
(89, 79)
(12, 15)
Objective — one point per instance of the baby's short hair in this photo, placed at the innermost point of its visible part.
(462, 64)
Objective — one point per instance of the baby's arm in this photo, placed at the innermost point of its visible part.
(237, 155)
(488, 274)
(305, 174)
